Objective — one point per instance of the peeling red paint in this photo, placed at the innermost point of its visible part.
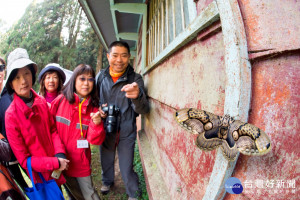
(199, 105)
(194, 76)
(270, 22)
(275, 108)
(202, 4)
(182, 151)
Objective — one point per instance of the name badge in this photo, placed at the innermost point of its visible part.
(81, 144)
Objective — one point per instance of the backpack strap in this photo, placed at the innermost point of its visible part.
(11, 183)
(61, 99)
(131, 77)
(99, 78)
(59, 104)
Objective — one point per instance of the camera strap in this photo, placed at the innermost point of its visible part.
(118, 130)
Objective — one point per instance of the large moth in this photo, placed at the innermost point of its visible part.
(232, 136)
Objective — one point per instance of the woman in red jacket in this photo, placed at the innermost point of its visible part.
(79, 124)
(30, 129)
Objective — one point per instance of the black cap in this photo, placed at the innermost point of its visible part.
(53, 67)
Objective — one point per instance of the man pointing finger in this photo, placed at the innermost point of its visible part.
(123, 98)
(132, 90)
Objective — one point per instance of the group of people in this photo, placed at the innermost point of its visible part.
(56, 126)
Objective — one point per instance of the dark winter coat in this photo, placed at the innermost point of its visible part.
(110, 93)
(5, 101)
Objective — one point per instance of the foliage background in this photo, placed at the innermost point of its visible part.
(54, 31)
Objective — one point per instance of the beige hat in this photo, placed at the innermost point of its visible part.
(17, 59)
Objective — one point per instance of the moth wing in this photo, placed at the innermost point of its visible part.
(263, 143)
(246, 145)
(250, 139)
(189, 124)
(230, 153)
(208, 140)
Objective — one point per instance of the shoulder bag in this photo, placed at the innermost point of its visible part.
(48, 190)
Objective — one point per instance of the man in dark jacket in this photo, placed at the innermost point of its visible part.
(123, 96)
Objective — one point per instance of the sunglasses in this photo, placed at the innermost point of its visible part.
(83, 79)
(2, 68)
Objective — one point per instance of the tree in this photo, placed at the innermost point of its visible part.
(88, 48)
(54, 31)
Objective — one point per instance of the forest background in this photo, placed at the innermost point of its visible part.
(55, 32)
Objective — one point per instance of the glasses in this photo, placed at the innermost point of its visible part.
(83, 79)
(2, 68)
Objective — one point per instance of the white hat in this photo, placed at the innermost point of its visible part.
(17, 59)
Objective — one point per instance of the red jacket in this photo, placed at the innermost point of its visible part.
(32, 132)
(68, 127)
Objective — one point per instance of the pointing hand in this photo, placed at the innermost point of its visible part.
(132, 90)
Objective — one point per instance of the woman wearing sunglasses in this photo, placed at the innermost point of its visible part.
(79, 124)
(2, 73)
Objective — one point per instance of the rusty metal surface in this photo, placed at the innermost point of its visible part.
(192, 77)
(271, 25)
(202, 4)
(185, 168)
(275, 108)
(237, 89)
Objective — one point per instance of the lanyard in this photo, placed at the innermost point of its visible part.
(80, 104)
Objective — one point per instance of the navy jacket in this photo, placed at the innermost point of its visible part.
(5, 102)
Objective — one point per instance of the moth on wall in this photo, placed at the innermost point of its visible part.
(232, 136)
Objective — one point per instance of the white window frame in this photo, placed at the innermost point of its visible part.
(158, 45)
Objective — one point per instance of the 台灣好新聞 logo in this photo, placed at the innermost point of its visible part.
(233, 186)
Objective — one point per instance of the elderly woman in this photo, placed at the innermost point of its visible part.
(30, 128)
(51, 80)
(5, 101)
(2, 73)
